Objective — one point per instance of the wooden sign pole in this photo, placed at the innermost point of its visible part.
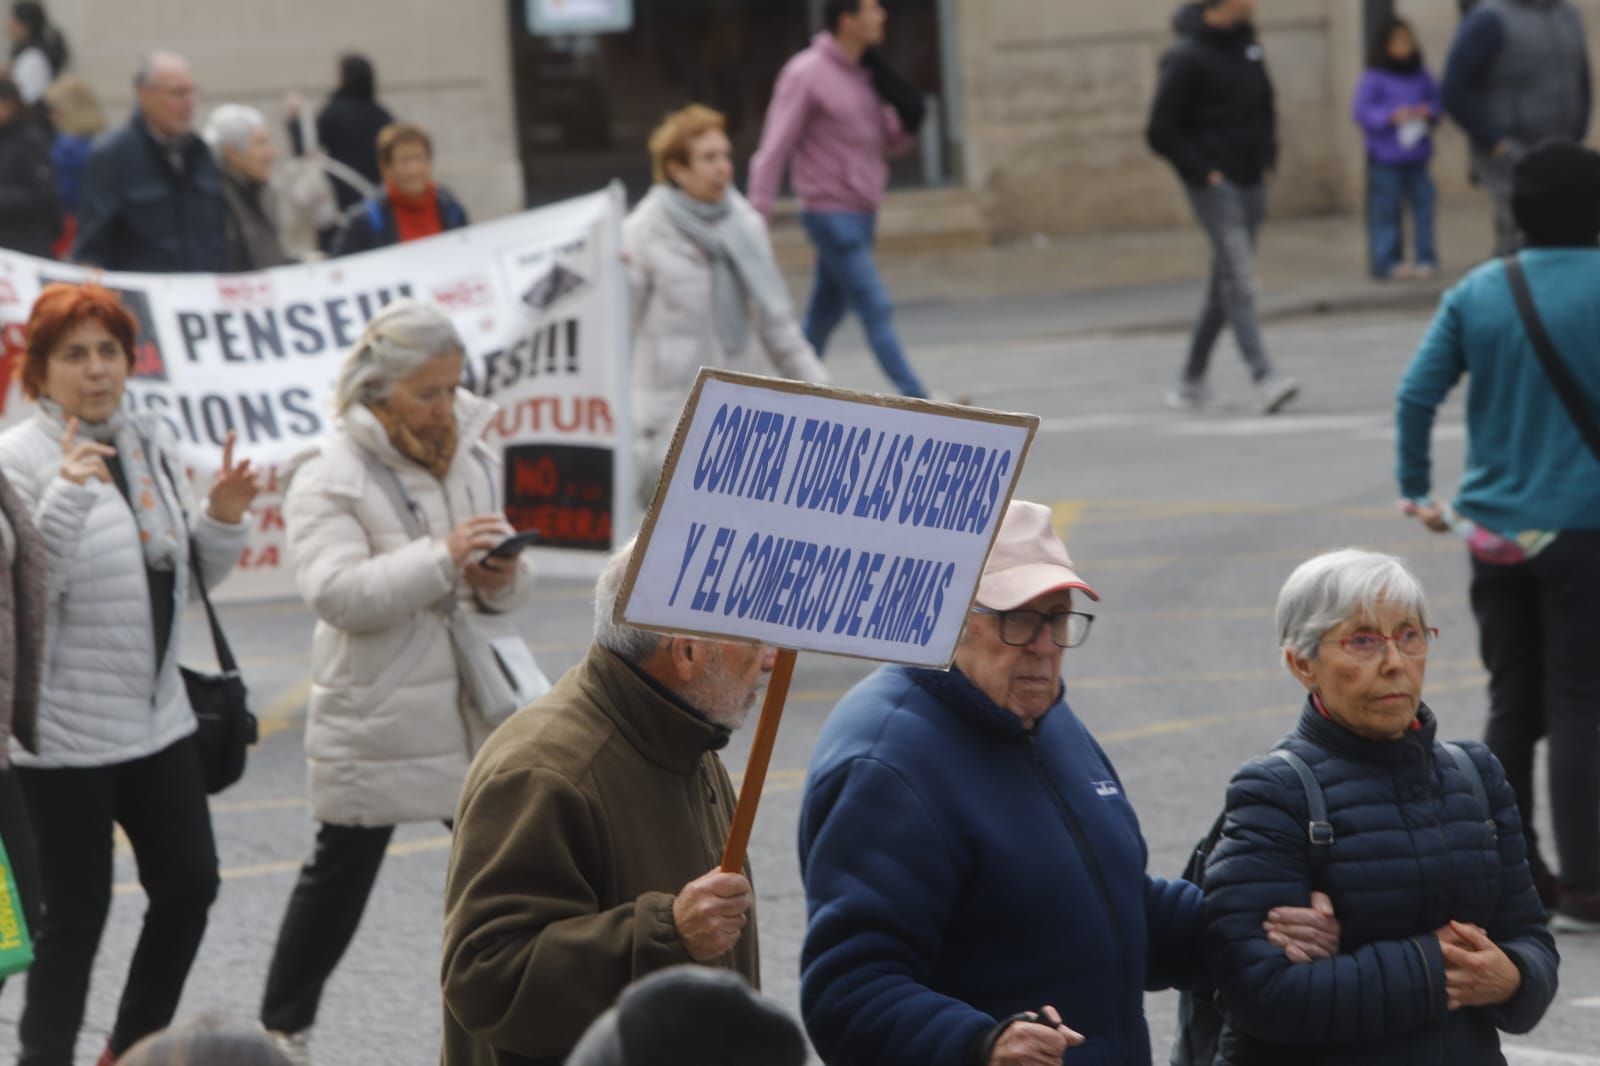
(755, 771)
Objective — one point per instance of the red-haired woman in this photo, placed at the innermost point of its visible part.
(115, 730)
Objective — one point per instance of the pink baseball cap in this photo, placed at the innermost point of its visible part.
(1027, 560)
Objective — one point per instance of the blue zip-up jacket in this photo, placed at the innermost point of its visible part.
(960, 869)
(1411, 851)
(136, 212)
(1527, 467)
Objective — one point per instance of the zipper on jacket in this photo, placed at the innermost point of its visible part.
(1075, 827)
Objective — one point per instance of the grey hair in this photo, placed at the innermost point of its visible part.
(633, 644)
(148, 63)
(231, 126)
(1327, 590)
(396, 343)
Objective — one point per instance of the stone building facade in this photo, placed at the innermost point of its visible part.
(1040, 103)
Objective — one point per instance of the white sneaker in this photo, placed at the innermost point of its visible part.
(1194, 397)
(296, 1047)
(1273, 394)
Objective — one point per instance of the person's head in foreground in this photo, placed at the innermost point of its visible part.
(1023, 617)
(210, 1040)
(1556, 196)
(692, 1014)
(1353, 626)
(719, 679)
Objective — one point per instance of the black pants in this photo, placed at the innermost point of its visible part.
(17, 837)
(324, 910)
(1540, 639)
(160, 802)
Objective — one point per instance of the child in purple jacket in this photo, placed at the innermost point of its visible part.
(1397, 104)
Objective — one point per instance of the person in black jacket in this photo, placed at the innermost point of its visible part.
(348, 126)
(410, 206)
(1213, 119)
(30, 208)
(151, 199)
(1443, 940)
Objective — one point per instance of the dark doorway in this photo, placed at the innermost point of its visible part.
(586, 103)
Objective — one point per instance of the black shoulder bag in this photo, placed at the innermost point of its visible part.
(895, 90)
(221, 705)
(1566, 386)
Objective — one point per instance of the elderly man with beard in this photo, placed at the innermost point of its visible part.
(584, 837)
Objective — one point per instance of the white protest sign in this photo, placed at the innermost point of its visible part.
(820, 519)
(539, 298)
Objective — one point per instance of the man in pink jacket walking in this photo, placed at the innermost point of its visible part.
(828, 120)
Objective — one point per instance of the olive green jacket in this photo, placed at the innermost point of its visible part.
(581, 818)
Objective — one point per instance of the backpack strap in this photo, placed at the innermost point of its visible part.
(1479, 792)
(1318, 829)
(1568, 391)
(375, 218)
(451, 214)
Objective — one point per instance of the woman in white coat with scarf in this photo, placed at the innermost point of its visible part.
(704, 284)
(113, 741)
(389, 519)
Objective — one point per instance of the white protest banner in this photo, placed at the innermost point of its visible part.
(821, 519)
(539, 299)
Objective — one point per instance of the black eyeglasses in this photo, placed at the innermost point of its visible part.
(1018, 628)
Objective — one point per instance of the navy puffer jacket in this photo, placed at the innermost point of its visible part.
(1411, 851)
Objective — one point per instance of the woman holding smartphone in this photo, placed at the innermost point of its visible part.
(391, 519)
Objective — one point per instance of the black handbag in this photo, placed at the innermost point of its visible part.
(226, 728)
(221, 705)
(896, 91)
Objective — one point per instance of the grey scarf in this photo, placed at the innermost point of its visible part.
(742, 268)
(161, 533)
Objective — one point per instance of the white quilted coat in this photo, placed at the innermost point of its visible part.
(674, 334)
(390, 732)
(104, 701)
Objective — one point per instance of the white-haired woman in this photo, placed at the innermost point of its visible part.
(391, 727)
(242, 143)
(1443, 942)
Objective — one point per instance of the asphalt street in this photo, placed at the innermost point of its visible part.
(1187, 525)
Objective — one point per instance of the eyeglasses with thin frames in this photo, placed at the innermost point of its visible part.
(1413, 642)
(1018, 628)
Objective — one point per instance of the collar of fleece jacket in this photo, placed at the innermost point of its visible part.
(956, 692)
(659, 726)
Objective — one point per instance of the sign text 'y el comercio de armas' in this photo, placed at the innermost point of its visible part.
(822, 519)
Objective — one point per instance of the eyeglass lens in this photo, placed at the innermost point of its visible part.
(1067, 628)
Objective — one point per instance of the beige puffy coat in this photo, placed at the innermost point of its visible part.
(674, 334)
(390, 732)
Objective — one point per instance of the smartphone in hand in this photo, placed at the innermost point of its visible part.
(512, 545)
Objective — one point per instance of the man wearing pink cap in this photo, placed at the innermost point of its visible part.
(975, 876)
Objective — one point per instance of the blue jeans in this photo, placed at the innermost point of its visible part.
(847, 280)
(1389, 188)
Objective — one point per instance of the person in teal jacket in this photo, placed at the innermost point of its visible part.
(1529, 506)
